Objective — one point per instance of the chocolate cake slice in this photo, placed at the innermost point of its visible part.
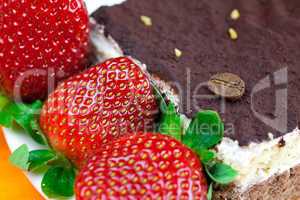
(184, 43)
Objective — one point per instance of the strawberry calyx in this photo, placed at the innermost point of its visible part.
(204, 132)
(171, 123)
(59, 173)
(14, 115)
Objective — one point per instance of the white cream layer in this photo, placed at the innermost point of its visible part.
(259, 161)
(255, 162)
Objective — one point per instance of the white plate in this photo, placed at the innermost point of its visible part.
(15, 139)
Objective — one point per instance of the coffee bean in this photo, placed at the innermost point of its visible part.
(227, 85)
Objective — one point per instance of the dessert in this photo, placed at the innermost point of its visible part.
(187, 43)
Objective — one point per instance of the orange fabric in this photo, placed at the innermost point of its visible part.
(13, 183)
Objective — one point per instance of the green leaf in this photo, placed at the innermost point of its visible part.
(221, 173)
(6, 119)
(170, 123)
(58, 181)
(210, 192)
(39, 158)
(25, 115)
(205, 155)
(3, 101)
(36, 132)
(32, 160)
(20, 157)
(205, 131)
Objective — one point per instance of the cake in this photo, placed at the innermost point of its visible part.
(182, 44)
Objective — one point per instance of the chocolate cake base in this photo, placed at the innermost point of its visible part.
(285, 186)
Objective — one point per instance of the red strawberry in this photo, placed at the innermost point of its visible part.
(40, 39)
(143, 166)
(97, 106)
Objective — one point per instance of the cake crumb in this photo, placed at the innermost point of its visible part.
(235, 14)
(271, 136)
(146, 20)
(281, 143)
(233, 34)
(178, 53)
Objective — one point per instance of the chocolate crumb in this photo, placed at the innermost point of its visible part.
(281, 143)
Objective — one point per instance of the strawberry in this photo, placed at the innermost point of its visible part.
(41, 39)
(142, 166)
(96, 107)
